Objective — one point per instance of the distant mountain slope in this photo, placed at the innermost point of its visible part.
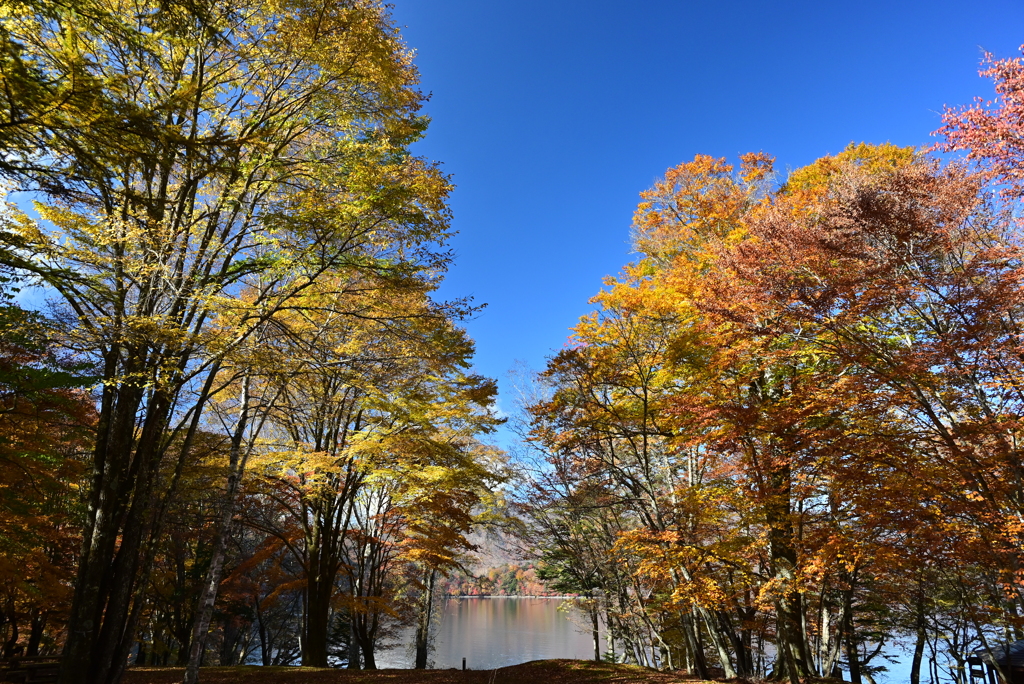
(499, 570)
(511, 579)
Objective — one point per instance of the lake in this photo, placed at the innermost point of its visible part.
(496, 632)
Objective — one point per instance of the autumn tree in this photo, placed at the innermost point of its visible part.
(778, 361)
(267, 146)
(372, 453)
(811, 429)
(45, 100)
(46, 421)
(989, 131)
(616, 414)
(187, 545)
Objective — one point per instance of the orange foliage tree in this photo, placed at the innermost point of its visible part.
(46, 420)
(778, 362)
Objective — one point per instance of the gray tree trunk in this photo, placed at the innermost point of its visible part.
(423, 626)
(208, 597)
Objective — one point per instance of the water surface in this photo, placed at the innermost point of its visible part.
(497, 632)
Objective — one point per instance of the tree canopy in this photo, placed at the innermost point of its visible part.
(794, 420)
(245, 426)
(227, 207)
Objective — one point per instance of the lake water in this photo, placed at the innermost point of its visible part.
(496, 632)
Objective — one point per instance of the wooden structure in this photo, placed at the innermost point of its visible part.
(30, 669)
(984, 666)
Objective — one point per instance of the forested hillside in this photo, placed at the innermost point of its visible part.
(514, 579)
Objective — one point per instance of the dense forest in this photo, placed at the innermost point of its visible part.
(239, 425)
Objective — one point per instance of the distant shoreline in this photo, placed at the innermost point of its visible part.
(517, 596)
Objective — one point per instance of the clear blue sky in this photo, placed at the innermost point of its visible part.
(552, 115)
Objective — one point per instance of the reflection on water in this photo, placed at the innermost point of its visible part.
(496, 632)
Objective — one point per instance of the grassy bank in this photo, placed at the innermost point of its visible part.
(541, 671)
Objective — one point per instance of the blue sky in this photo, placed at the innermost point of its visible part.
(551, 116)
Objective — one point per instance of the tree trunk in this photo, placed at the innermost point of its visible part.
(208, 596)
(318, 622)
(695, 647)
(915, 665)
(12, 642)
(265, 656)
(595, 630)
(786, 662)
(423, 626)
(207, 599)
(713, 624)
(922, 636)
(36, 632)
(609, 629)
(353, 646)
(119, 499)
(789, 607)
(744, 666)
(123, 523)
(321, 573)
(853, 660)
(366, 648)
(228, 648)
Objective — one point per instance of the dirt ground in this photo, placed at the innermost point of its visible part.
(541, 671)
